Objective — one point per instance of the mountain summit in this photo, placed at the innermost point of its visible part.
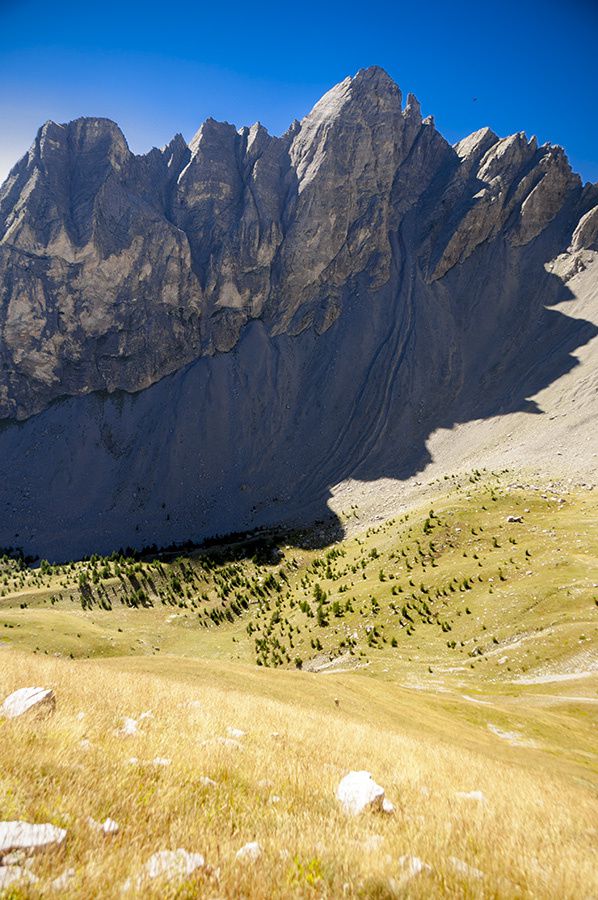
(208, 337)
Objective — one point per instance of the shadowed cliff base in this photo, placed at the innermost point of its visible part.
(256, 437)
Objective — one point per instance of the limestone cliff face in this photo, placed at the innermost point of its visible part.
(206, 338)
(116, 270)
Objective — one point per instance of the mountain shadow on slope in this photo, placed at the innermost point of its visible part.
(256, 437)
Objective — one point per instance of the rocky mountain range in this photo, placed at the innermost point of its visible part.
(209, 337)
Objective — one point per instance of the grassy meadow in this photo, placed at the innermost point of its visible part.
(447, 651)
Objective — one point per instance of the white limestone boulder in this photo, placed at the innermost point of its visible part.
(129, 726)
(471, 795)
(358, 792)
(108, 826)
(168, 865)
(171, 864)
(462, 868)
(34, 700)
(236, 733)
(14, 875)
(31, 838)
(249, 852)
(206, 781)
(411, 867)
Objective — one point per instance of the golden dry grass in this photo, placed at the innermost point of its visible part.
(415, 710)
(534, 837)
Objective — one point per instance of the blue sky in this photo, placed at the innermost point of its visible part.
(156, 69)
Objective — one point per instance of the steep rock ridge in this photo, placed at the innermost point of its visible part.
(257, 318)
(345, 157)
(92, 274)
(117, 270)
(514, 188)
(229, 200)
(585, 235)
(257, 436)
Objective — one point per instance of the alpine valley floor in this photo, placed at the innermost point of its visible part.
(449, 651)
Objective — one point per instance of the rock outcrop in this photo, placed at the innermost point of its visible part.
(28, 700)
(358, 792)
(206, 338)
(117, 269)
(17, 836)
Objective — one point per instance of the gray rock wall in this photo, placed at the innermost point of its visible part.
(207, 338)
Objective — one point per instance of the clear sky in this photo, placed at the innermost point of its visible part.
(159, 68)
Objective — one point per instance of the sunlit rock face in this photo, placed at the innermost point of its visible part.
(256, 318)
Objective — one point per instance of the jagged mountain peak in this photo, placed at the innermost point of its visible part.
(212, 130)
(73, 139)
(477, 143)
(175, 144)
(368, 93)
(82, 135)
(412, 107)
(279, 228)
(373, 78)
